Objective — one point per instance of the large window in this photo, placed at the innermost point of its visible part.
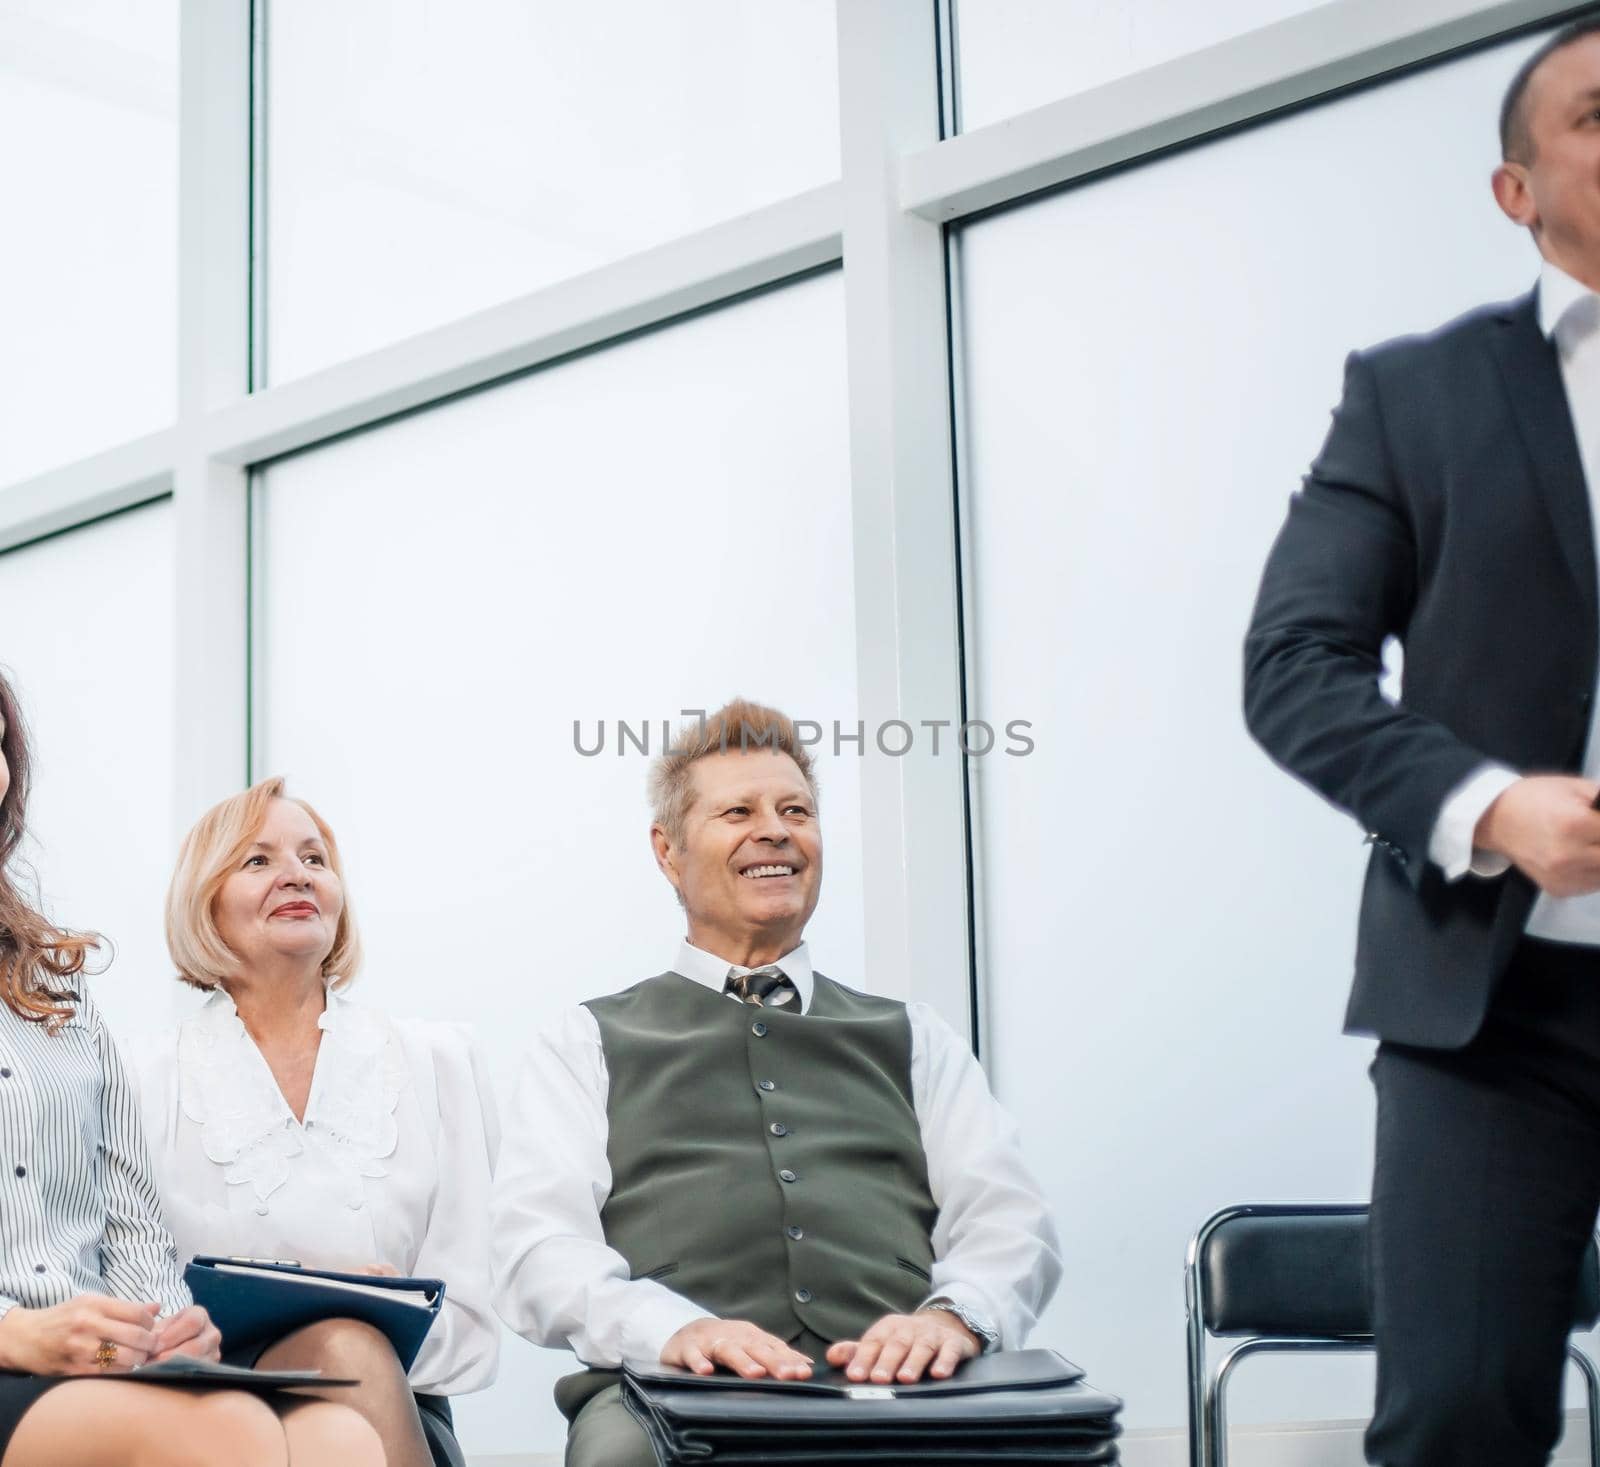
(428, 158)
(451, 605)
(1017, 54)
(88, 253)
(1151, 360)
(88, 641)
(646, 446)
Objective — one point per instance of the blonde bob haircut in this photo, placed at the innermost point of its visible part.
(211, 852)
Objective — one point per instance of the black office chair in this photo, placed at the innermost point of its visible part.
(1294, 1277)
(438, 1426)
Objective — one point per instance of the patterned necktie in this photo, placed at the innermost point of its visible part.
(766, 987)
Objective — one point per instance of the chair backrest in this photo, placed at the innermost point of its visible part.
(1302, 1272)
(1283, 1271)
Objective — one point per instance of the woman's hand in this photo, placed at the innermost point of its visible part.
(378, 1271)
(189, 1332)
(67, 1339)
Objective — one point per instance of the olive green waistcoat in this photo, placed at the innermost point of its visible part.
(767, 1164)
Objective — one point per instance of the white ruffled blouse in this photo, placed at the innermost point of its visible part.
(392, 1163)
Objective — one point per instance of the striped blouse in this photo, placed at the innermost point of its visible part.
(79, 1211)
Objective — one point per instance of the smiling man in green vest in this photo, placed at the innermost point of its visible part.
(743, 1165)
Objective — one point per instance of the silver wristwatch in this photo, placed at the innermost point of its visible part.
(988, 1336)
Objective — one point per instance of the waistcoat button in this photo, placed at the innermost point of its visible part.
(802, 1296)
(796, 1233)
(768, 1085)
(787, 1176)
(759, 1030)
(778, 1128)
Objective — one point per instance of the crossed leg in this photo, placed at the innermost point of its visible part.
(110, 1423)
(356, 1351)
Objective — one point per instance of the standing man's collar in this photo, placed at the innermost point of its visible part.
(709, 969)
(1568, 309)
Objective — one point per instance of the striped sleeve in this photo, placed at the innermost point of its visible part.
(137, 1258)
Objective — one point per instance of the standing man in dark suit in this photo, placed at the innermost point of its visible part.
(1452, 508)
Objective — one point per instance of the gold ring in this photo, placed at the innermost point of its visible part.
(106, 1356)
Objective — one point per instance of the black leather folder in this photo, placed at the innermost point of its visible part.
(1014, 1406)
(183, 1370)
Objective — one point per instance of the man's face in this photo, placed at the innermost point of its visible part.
(748, 864)
(1556, 193)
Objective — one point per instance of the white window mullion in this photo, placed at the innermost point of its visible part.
(213, 361)
(907, 650)
(118, 478)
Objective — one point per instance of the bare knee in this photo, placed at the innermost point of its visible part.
(221, 1426)
(324, 1434)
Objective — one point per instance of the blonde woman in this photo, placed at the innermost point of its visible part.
(89, 1283)
(289, 1121)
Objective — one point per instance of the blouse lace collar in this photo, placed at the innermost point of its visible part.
(247, 1128)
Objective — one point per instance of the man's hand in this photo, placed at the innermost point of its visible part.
(739, 1346)
(1546, 826)
(904, 1346)
(189, 1332)
(66, 1339)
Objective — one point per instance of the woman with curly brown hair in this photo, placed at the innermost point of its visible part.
(89, 1281)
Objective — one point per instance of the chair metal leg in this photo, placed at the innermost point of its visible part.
(1591, 1385)
(1217, 1405)
(1198, 1456)
(1214, 1447)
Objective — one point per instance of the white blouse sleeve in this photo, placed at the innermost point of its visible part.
(462, 1351)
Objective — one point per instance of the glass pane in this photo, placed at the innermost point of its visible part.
(651, 528)
(1017, 54)
(428, 159)
(88, 265)
(1132, 449)
(88, 642)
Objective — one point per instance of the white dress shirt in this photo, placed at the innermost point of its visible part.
(79, 1212)
(392, 1163)
(558, 1283)
(1569, 314)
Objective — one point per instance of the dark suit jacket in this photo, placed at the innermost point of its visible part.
(1448, 509)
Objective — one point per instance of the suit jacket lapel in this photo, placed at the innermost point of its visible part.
(1531, 374)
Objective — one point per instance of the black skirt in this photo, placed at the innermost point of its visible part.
(17, 1393)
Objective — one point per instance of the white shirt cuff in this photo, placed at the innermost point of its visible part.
(1450, 846)
(655, 1315)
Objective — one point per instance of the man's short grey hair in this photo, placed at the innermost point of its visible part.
(741, 726)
